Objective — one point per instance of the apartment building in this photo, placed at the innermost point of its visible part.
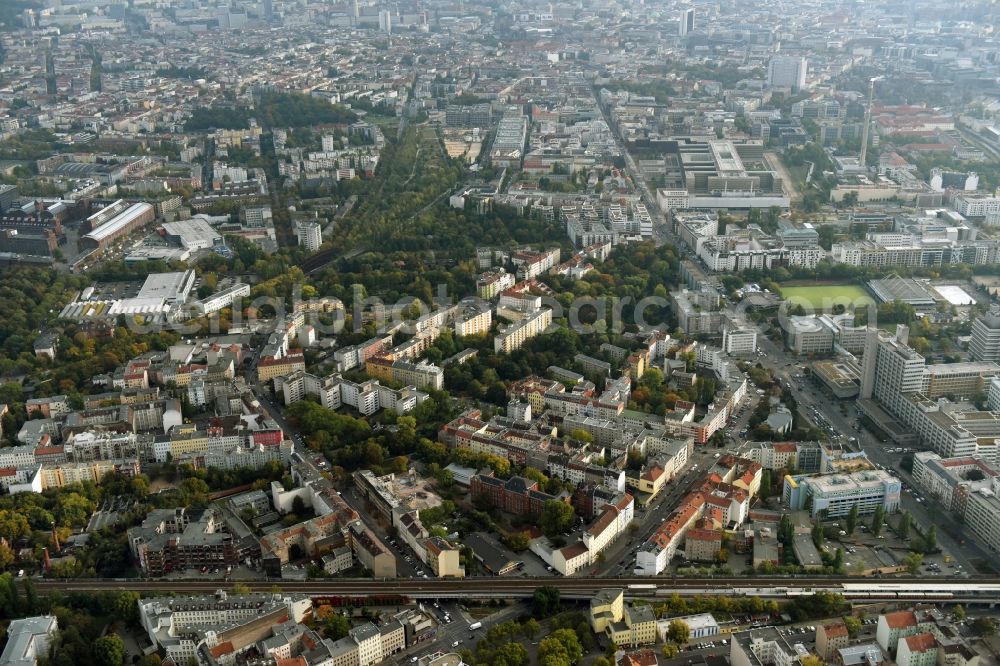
(697, 311)
(421, 375)
(625, 626)
(758, 647)
(728, 487)
(309, 235)
(917, 650)
(179, 539)
(530, 264)
(334, 391)
(443, 558)
(269, 367)
(806, 457)
(515, 335)
(702, 545)
(830, 637)
(490, 284)
(28, 640)
(950, 480)
(473, 319)
(183, 626)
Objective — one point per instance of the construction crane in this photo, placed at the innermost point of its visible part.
(868, 120)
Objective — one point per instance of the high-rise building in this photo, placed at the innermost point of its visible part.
(891, 368)
(984, 345)
(269, 10)
(787, 72)
(310, 235)
(385, 20)
(686, 22)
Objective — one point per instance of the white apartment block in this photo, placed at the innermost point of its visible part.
(514, 336)
(17, 456)
(473, 321)
(222, 299)
(334, 392)
(310, 235)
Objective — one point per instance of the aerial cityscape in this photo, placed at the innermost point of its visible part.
(631, 333)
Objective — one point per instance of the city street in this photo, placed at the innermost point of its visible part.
(809, 395)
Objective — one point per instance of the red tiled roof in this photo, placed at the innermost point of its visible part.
(900, 619)
(292, 661)
(835, 629)
(703, 535)
(222, 648)
(921, 642)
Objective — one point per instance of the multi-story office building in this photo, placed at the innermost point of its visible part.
(984, 345)
(898, 378)
(891, 368)
(971, 204)
(738, 340)
(787, 72)
(508, 144)
(469, 115)
(808, 335)
(834, 495)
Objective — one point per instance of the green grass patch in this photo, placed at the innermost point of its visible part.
(824, 297)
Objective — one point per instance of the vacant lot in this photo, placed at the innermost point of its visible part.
(824, 297)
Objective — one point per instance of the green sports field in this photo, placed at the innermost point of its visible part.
(824, 297)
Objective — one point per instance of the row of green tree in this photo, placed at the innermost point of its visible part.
(271, 110)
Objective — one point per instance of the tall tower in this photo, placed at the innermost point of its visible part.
(868, 120)
(686, 23)
(984, 345)
(868, 363)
